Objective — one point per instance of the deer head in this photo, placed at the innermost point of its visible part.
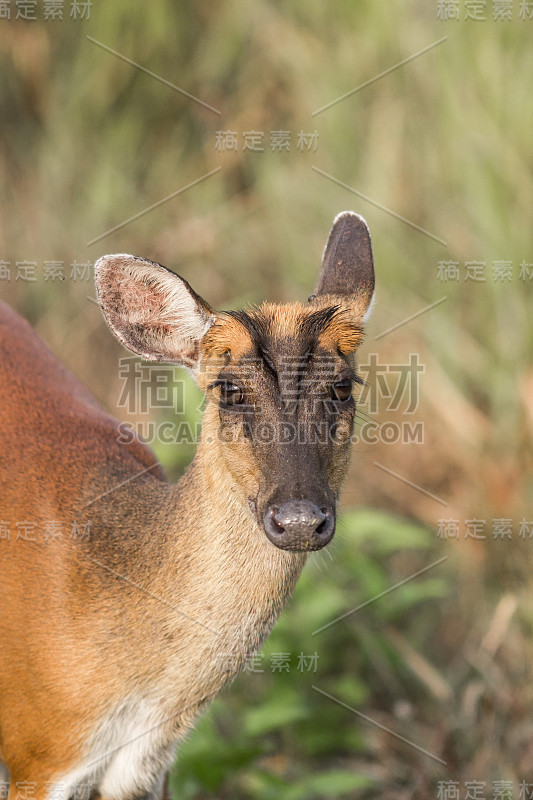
(278, 378)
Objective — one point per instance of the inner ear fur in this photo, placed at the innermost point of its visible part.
(151, 310)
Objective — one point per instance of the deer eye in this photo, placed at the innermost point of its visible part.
(231, 394)
(342, 390)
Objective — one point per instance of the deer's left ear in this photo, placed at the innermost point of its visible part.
(347, 264)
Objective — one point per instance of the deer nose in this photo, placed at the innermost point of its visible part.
(299, 525)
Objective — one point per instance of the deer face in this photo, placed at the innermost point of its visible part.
(283, 411)
(279, 378)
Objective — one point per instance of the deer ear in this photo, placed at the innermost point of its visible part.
(347, 264)
(152, 311)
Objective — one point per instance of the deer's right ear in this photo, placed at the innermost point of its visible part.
(152, 311)
(347, 264)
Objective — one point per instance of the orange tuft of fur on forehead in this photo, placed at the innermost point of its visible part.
(227, 335)
(341, 334)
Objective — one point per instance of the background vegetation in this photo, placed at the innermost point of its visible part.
(87, 141)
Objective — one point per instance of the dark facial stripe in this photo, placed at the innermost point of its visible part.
(312, 325)
(256, 326)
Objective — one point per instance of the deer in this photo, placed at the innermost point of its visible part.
(111, 641)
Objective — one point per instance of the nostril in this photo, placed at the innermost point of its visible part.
(276, 523)
(327, 525)
(272, 524)
(323, 525)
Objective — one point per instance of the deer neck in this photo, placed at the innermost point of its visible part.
(234, 580)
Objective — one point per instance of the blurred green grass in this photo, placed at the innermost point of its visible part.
(87, 141)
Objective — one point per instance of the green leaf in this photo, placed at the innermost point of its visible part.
(335, 783)
(385, 532)
(270, 717)
(412, 595)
